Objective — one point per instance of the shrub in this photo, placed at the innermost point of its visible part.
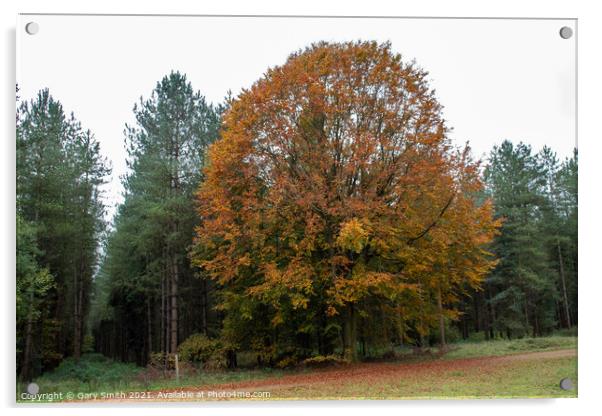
(452, 334)
(199, 349)
(566, 332)
(158, 360)
(88, 344)
(94, 368)
(287, 362)
(319, 361)
(290, 356)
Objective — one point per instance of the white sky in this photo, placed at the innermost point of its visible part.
(497, 79)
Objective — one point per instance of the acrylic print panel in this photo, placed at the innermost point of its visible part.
(269, 208)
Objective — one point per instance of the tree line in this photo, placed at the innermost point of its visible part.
(60, 218)
(322, 211)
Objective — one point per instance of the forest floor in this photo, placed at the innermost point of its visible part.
(528, 367)
(535, 374)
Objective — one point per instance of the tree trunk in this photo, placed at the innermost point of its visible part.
(477, 315)
(77, 346)
(175, 190)
(27, 355)
(350, 334)
(401, 329)
(527, 313)
(205, 307)
(491, 317)
(78, 285)
(76, 317)
(173, 348)
(79, 321)
(563, 280)
(441, 319)
(162, 337)
(150, 333)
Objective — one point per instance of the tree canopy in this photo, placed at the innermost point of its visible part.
(335, 188)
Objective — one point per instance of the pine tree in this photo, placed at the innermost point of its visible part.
(521, 287)
(59, 174)
(147, 252)
(33, 285)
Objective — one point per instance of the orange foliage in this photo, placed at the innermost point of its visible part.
(334, 174)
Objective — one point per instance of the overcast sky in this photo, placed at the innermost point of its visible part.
(497, 79)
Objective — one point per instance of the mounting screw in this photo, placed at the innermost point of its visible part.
(566, 384)
(566, 32)
(33, 388)
(32, 28)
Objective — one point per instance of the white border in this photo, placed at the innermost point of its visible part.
(590, 203)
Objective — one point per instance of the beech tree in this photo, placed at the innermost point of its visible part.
(334, 185)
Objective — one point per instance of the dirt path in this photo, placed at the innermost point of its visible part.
(356, 373)
(366, 371)
(541, 354)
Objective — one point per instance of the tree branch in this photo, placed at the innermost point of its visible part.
(434, 223)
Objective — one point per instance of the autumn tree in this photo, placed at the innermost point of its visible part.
(333, 188)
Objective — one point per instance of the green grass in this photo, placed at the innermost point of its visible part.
(96, 373)
(534, 379)
(505, 347)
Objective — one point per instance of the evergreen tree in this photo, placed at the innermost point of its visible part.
(147, 262)
(33, 284)
(521, 287)
(59, 174)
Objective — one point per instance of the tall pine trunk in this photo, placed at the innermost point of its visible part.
(27, 355)
(162, 323)
(563, 280)
(149, 328)
(76, 335)
(173, 348)
(78, 311)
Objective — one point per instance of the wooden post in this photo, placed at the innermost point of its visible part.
(177, 370)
